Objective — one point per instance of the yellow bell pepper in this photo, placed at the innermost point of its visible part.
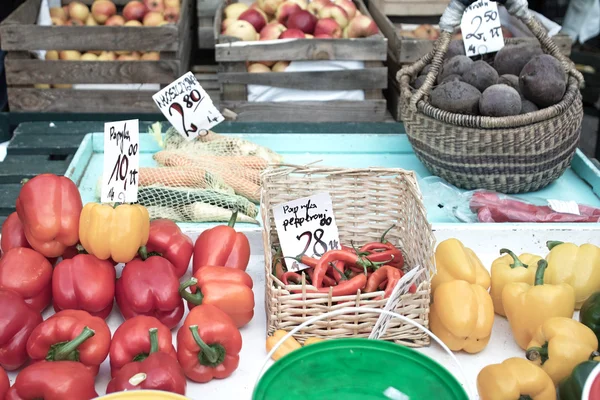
(579, 266)
(312, 340)
(286, 347)
(559, 345)
(510, 268)
(513, 379)
(454, 261)
(116, 233)
(462, 315)
(527, 307)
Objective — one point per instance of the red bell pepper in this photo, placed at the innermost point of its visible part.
(53, 381)
(84, 283)
(12, 234)
(150, 287)
(158, 371)
(208, 344)
(28, 273)
(229, 289)
(4, 383)
(222, 246)
(17, 321)
(49, 208)
(131, 341)
(167, 240)
(71, 335)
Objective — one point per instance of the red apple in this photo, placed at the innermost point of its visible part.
(151, 56)
(234, 10)
(57, 21)
(253, 16)
(90, 21)
(284, 10)
(134, 10)
(323, 36)
(280, 66)
(78, 11)
(153, 18)
(58, 12)
(267, 63)
(336, 12)
(329, 27)
(302, 20)
(315, 5)
(426, 31)
(269, 6)
(89, 57)
(258, 68)
(308, 36)
(52, 55)
(115, 20)
(155, 5)
(272, 31)
(348, 6)
(292, 34)
(242, 30)
(226, 22)
(361, 26)
(172, 3)
(133, 22)
(103, 10)
(171, 14)
(302, 3)
(107, 56)
(70, 55)
(74, 22)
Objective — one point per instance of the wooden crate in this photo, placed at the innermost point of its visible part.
(403, 51)
(208, 79)
(411, 7)
(232, 56)
(19, 35)
(206, 10)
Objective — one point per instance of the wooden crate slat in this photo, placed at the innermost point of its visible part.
(45, 144)
(67, 127)
(370, 78)
(15, 167)
(8, 197)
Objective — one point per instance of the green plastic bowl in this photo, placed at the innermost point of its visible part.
(362, 369)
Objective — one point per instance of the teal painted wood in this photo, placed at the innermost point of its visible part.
(340, 150)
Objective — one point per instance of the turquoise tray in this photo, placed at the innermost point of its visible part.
(581, 182)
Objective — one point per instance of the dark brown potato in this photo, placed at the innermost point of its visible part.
(455, 48)
(500, 101)
(512, 58)
(481, 75)
(419, 81)
(425, 70)
(456, 65)
(510, 80)
(452, 77)
(456, 97)
(543, 81)
(527, 106)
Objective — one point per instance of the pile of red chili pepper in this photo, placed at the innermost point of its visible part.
(374, 266)
(52, 254)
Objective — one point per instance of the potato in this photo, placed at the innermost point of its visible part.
(452, 77)
(527, 106)
(510, 80)
(425, 70)
(481, 75)
(457, 97)
(419, 81)
(512, 58)
(543, 81)
(500, 101)
(456, 65)
(455, 48)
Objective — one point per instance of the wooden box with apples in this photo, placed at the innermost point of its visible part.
(250, 50)
(411, 7)
(98, 54)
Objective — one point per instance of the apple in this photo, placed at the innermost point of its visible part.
(107, 56)
(52, 55)
(153, 18)
(361, 26)
(272, 31)
(242, 30)
(407, 34)
(62, 86)
(134, 10)
(90, 21)
(292, 34)
(235, 10)
(226, 22)
(133, 22)
(286, 9)
(70, 55)
(58, 12)
(302, 20)
(115, 20)
(128, 57)
(172, 3)
(323, 36)
(336, 12)
(315, 5)
(96, 52)
(269, 6)
(103, 10)
(348, 6)
(171, 14)
(308, 36)
(302, 3)
(66, 10)
(89, 57)
(78, 11)
(74, 22)
(258, 68)
(57, 21)
(426, 31)
(42, 86)
(280, 66)
(151, 56)
(253, 16)
(267, 63)
(155, 5)
(329, 27)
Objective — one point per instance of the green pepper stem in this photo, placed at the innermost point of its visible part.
(194, 298)
(594, 355)
(342, 276)
(516, 262)
(550, 244)
(233, 219)
(210, 355)
(382, 240)
(24, 181)
(65, 351)
(538, 353)
(539, 274)
(525, 397)
(153, 340)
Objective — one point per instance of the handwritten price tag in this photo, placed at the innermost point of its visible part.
(121, 162)
(187, 107)
(306, 227)
(481, 28)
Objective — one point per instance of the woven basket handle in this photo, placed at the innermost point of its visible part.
(451, 20)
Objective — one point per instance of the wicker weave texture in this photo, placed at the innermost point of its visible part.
(366, 202)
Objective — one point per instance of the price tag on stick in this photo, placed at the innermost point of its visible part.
(306, 227)
(481, 29)
(121, 162)
(187, 107)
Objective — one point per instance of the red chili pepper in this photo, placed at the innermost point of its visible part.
(157, 371)
(150, 287)
(71, 335)
(4, 383)
(131, 342)
(54, 381)
(293, 276)
(222, 246)
(337, 255)
(344, 288)
(327, 281)
(167, 240)
(49, 207)
(17, 321)
(84, 283)
(208, 344)
(28, 273)
(12, 234)
(391, 274)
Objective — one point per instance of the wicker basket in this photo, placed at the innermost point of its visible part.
(366, 203)
(515, 154)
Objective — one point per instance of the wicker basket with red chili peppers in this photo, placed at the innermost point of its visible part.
(384, 233)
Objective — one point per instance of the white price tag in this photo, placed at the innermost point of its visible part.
(188, 107)
(566, 207)
(481, 28)
(121, 162)
(306, 226)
